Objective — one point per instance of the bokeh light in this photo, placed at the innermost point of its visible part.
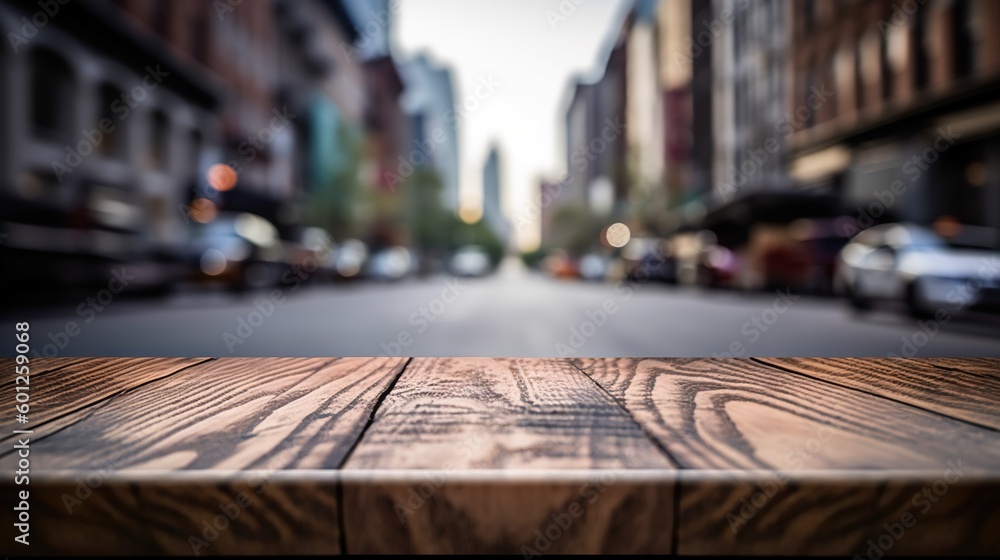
(203, 210)
(222, 177)
(618, 235)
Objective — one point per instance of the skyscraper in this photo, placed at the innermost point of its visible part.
(492, 207)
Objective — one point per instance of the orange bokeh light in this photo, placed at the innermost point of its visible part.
(222, 177)
(203, 210)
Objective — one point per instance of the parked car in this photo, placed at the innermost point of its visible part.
(85, 246)
(349, 259)
(594, 267)
(914, 265)
(649, 258)
(560, 265)
(719, 267)
(391, 263)
(800, 256)
(240, 250)
(470, 260)
(312, 255)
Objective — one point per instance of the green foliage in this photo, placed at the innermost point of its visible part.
(533, 259)
(476, 234)
(425, 215)
(578, 229)
(340, 206)
(435, 230)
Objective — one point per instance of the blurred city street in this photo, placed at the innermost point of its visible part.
(512, 313)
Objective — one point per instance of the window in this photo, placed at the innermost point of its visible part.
(51, 95)
(886, 66)
(859, 74)
(965, 33)
(809, 15)
(199, 37)
(159, 140)
(920, 38)
(111, 142)
(158, 17)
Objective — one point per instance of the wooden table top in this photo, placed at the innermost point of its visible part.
(523, 456)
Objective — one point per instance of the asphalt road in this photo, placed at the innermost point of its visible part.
(513, 313)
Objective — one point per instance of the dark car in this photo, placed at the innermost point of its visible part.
(242, 251)
(649, 258)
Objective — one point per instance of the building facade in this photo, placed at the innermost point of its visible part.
(430, 99)
(113, 112)
(895, 105)
(106, 123)
(749, 67)
(493, 214)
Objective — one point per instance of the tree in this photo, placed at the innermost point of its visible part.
(577, 229)
(341, 204)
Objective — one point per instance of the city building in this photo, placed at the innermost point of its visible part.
(386, 123)
(580, 116)
(610, 184)
(430, 101)
(596, 169)
(493, 214)
(676, 61)
(749, 66)
(549, 194)
(321, 87)
(105, 124)
(700, 52)
(895, 107)
(645, 136)
(113, 113)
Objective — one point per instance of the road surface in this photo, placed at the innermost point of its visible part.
(513, 313)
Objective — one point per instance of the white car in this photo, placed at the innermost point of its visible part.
(470, 260)
(912, 264)
(594, 267)
(393, 263)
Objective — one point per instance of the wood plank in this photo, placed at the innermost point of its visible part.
(795, 446)
(989, 367)
(738, 414)
(229, 414)
(61, 387)
(838, 514)
(479, 413)
(506, 456)
(168, 515)
(449, 416)
(444, 513)
(39, 366)
(951, 392)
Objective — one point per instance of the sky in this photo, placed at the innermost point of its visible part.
(533, 49)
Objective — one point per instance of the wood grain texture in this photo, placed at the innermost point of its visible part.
(989, 367)
(471, 455)
(738, 414)
(951, 392)
(190, 517)
(63, 389)
(229, 414)
(447, 416)
(474, 413)
(812, 439)
(444, 516)
(42, 365)
(841, 516)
